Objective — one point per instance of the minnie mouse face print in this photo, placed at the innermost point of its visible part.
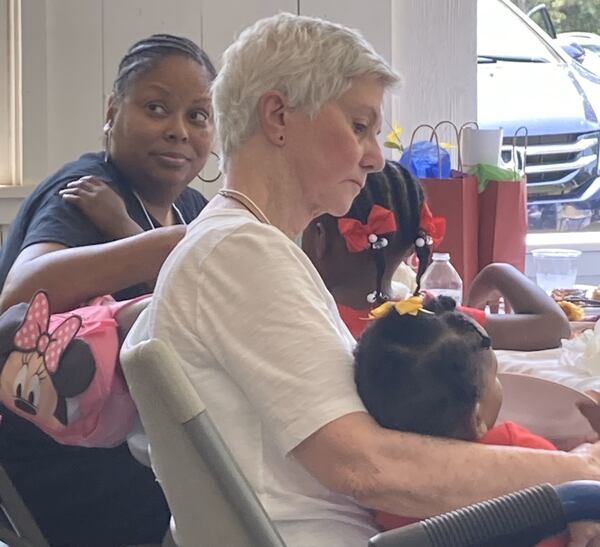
(34, 379)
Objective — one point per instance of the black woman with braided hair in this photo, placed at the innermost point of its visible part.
(358, 253)
(100, 225)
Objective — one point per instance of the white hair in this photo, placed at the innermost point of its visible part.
(310, 60)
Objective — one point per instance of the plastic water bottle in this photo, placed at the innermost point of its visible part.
(441, 278)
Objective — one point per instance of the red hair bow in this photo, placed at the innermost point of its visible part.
(380, 221)
(33, 333)
(435, 227)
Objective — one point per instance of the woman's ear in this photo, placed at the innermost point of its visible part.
(479, 425)
(272, 116)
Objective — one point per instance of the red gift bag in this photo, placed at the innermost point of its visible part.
(456, 200)
(503, 217)
(503, 223)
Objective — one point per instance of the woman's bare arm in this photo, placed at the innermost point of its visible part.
(420, 476)
(71, 276)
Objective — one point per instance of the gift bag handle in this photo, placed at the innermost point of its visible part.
(514, 147)
(437, 142)
(457, 135)
(467, 124)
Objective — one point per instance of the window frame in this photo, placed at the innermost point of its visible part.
(11, 140)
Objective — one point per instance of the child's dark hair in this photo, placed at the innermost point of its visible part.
(422, 373)
(397, 190)
(147, 53)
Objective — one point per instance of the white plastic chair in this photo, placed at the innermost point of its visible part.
(211, 501)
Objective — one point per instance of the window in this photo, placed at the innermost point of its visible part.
(525, 78)
(10, 108)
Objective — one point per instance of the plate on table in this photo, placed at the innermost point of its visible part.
(546, 408)
(583, 296)
(592, 312)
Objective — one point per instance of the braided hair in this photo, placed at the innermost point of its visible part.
(423, 373)
(144, 55)
(396, 190)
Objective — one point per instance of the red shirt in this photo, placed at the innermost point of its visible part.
(506, 434)
(475, 313)
(358, 320)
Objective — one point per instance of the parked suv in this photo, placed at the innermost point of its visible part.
(524, 78)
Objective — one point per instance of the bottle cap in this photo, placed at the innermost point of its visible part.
(441, 256)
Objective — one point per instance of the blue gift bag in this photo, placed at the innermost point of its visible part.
(425, 159)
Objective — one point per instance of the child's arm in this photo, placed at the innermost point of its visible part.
(537, 322)
(102, 206)
(127, 315)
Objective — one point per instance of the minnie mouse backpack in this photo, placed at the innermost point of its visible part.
(61, 372)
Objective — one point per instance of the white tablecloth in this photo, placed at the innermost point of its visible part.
(546, 364)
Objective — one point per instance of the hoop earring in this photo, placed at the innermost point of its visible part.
(107, 132)
(218, 175)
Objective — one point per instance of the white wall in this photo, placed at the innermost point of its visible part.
(434, 48)
(74, 79)
(372, 19)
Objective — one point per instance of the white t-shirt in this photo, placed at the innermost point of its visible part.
(261, 339)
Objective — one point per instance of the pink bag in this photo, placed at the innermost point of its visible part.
(61, 372)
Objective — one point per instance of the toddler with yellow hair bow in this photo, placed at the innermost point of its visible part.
(430, 369)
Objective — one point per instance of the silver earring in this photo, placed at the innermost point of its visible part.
(107, 132)
(219, 173)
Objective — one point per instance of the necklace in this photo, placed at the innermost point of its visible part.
(147, 215)
(244, 200)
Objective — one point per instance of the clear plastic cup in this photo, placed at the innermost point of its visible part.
(555, 268)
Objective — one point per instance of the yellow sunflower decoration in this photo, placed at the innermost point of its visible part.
(393, 139)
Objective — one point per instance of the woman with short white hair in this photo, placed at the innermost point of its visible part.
(298, 109)
(325, 61)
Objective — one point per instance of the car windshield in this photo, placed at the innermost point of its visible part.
(503, 36)
(591, 47)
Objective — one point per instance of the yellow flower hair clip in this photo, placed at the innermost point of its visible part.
(410, 306)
